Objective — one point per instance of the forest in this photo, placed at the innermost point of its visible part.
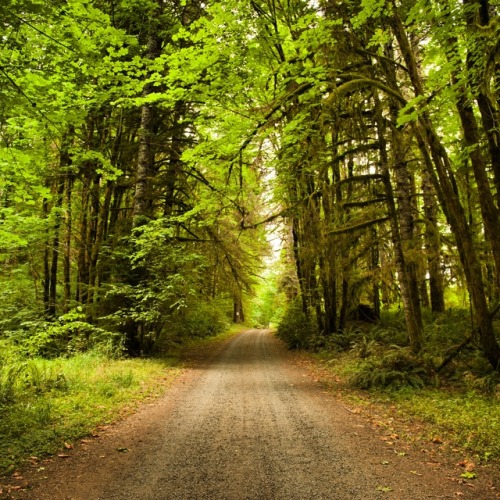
(332, 168)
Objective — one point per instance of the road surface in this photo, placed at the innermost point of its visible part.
(248, 424)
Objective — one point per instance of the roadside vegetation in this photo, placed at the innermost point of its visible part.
(447, 394)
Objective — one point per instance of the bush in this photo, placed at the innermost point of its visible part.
(344, 340)
(68, 335)
(297, 331)
(394, 368)
(449, 328)
(204, 319)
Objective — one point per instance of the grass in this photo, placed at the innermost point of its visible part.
(46, 404)
(53, 402)
(466, 420)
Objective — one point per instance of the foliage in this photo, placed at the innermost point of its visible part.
(269, 303)
(204, 320)
(144, 149)
(394, 368)
(295, 329)
(459, 406)
(380, 357)
(69, 335)
(62, 399)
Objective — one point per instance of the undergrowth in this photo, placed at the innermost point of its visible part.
(47, 402)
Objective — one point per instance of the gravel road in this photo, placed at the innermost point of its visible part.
(248, 424)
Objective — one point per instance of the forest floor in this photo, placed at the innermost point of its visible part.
(248, 419)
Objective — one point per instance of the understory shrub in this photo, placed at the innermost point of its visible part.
(295, 329)
(393, 368)
(342, 341)
(68, 335)
(380, 356)
(205, 319)
(45, 403)
(6, 384)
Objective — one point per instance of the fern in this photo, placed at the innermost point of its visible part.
(395, 369)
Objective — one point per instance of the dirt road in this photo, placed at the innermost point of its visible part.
(247, 425)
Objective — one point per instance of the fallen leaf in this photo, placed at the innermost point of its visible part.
(68, 446)
(467, 465)
(437, 440)
(63, 455)
(385, 489)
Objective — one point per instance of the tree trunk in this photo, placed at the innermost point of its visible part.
(432, 246)
(489, 211)
(145, 157)
(445, 186)
(46, 254)
(102, 217)
(299, 266)
(344, 305)
(401, 217)
(83, 270)
(489, 110)
(374, 267)
(67, 243)
(64, 163)
(51, 310)
(238, 315)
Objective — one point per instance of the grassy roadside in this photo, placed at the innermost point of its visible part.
(47, 404)
(454, 417)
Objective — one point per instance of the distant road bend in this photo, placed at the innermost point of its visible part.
(249, 424)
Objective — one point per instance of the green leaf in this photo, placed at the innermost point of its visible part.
(469, 475)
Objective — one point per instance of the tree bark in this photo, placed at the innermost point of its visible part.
(146, 155)
(46, 254)
(432, 246)
(401, 216)
(488, 108)
(64, 163)
(67, 243)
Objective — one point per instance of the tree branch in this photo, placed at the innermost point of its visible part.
(357, 227)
